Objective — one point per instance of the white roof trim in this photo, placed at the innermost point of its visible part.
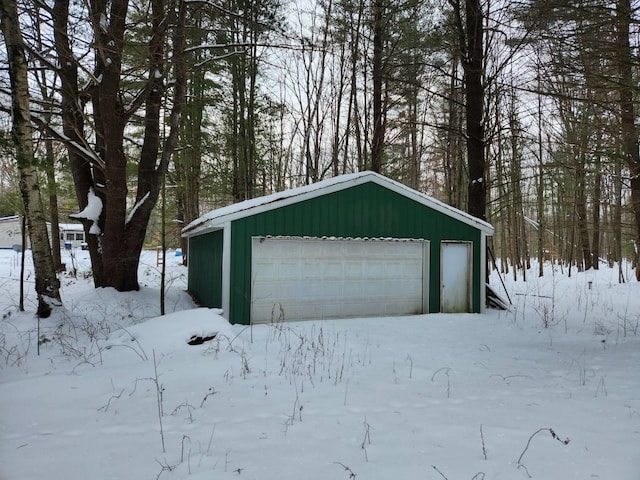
(215, 219)
(71, 227)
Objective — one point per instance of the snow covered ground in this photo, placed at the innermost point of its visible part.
(550, 390)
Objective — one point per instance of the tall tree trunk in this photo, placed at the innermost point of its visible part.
(454, 158)
(617, 218)
(188, 162)
(47, 284)
(73, 126)
(473, 63)
(244, 70)
(502, 207)
(629, 131)
(414, 146)
(597, 200)
(338, 100)
(252, 119)
(49, 159)
(540, 189)
(377, 142)
(353, 110)
(581, 211)
(52, 189)
(516, 206)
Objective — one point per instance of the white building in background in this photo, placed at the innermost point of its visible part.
(10, 231)
(71, 234)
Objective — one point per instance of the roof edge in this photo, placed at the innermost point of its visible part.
(215, 219)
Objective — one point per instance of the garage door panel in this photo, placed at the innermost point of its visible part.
(332, 270)
(352, 270)
(322, 278)
(288, 268)
(372, 270)
(266, 270)
(413, 270)
(330, 290)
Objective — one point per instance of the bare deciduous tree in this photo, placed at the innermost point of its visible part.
(99, 148)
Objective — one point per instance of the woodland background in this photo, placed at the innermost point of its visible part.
(520, 112)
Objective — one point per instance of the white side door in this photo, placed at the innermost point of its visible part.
(455, 277)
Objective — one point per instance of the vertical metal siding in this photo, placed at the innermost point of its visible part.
(205, 268)
(367, 210)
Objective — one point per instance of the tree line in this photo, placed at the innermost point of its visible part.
(522, 113)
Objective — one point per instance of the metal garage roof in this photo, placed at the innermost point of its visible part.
(217, 218)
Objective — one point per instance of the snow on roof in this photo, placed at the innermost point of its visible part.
(215, 219)
(75, 227)
(71, 227)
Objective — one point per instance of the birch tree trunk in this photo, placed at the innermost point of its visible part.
(47, 284)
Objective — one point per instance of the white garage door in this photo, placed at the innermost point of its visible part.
(306, 278)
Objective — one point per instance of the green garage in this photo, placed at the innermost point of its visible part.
(357, 245)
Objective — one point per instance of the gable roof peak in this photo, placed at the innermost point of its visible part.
(215, 219)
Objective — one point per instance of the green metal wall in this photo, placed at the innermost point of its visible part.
(205, 268)
(367, 210)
